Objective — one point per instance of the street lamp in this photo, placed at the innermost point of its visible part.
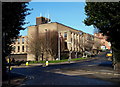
(70, 52)
(59, 46)
(46, 46)
(83, 46)
(83, 42)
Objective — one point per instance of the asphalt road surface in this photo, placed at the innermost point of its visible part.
(38, 75)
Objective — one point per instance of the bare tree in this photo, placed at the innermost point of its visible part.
(97, 43)
(45, 44)
(86, 43)
(43, 48)
(34, 46)
(52, 41)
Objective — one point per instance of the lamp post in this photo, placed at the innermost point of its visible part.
(83, 43)
(70, 52)
(46, 46)
(58, 46)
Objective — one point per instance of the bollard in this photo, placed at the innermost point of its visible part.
(69, 60)
(10, 68)
(46, 63)
(27, 63)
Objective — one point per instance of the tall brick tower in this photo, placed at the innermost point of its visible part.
(42, 20)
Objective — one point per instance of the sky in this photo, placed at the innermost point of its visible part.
(71, 14)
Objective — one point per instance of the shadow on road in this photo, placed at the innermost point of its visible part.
(38, 76)
(106, 64)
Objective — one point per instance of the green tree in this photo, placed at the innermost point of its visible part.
(105, 16)
(13, 17)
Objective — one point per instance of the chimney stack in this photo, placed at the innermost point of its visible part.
(42, 20)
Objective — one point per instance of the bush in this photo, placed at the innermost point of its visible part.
(64, 56)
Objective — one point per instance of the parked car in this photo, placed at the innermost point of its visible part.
(88, 53)
(109, 55)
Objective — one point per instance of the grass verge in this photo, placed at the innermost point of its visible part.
(57, 61)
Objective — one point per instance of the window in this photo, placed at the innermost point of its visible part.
(18, 48)
(71, 39)
(18, 40)
(65, 43)
(65, 34)
(23, 40)
(26, 48)
(74, 40)
(26, 40)
(22, 48)
(71, 48)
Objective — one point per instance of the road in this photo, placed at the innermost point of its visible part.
(53, 74)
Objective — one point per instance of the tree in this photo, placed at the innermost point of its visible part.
(86, 43)
(44, 44)
(97, 44)
(105, 16)
(52, 42)
(34, 46)
(13, 17)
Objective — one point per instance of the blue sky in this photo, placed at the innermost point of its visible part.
(68, 13)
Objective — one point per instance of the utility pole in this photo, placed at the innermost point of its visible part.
(58, 46)
(83, 45)
(46, 46)
(70, 52)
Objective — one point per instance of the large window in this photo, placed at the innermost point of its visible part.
(18, 48)
(26, 48)
(71, 39)
(65, 43)
(65, 35)
(23, 40)
(18, 40)
(22, 48)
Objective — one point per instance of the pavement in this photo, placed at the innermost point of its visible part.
(15, 80)
(103, 68)
(89, 68)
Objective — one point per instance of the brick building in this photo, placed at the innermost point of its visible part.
(103, 40)
(75, 41)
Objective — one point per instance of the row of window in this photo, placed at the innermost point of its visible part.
(18, 47)
(22, 40)
(65, 34)
(18, 40)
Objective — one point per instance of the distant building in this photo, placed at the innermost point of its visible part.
(19, 51)
(103, 40)
(75, 41)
